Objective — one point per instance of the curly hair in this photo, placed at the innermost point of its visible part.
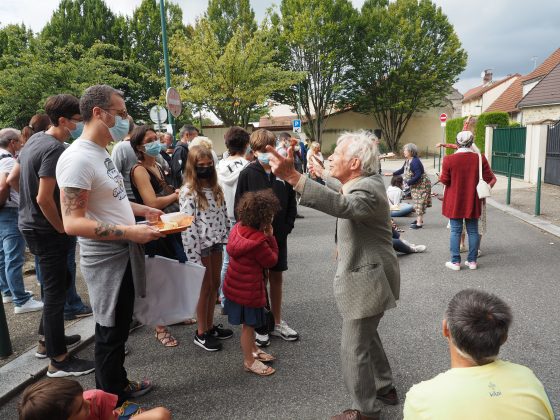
(257, 208)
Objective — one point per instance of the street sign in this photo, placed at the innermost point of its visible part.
(443, 117)
(173, 100)
(158, 114)
(443, 124)
(296, 126)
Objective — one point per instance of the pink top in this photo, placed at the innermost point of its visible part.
(102, 404)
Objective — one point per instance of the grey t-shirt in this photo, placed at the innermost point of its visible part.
(6, 164)
(124, 159)
(37, 159)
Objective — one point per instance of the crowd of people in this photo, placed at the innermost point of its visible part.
(243, 208)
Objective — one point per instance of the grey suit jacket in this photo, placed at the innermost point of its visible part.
(367, 280)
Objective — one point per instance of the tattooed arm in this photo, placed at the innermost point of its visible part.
(74, 202)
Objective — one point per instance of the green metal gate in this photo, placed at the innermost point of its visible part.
(508, 147)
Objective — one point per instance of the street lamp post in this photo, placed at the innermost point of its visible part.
(166, 60)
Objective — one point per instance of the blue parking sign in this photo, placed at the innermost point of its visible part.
(296, 126)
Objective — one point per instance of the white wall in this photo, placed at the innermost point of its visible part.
(535, 152)
(489, 97)
(528, 86)
(539, 113)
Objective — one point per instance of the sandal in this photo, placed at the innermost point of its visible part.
(263, 356)
(166, 338)
(259, 368)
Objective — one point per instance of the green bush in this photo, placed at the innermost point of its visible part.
(514, 124)
(499, 119)
(453, 127)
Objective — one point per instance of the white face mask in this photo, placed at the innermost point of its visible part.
(297, 148)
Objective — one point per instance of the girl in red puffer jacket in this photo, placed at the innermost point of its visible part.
(252, 248)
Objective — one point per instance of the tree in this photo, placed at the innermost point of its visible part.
(406, 59)
(315, 36)
(235, 83)
(146, 47)
(226, 16)
(83, 22)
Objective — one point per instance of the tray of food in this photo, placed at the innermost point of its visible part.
(174, 223)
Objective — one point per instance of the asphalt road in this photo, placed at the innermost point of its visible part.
(520, 264)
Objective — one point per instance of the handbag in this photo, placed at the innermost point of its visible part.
(269, 323)
(482, 189)
(172, 291)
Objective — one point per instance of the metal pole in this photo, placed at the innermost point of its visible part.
(434, 160)
(443, 142)
(538, 199)
(508, 193)
(166, 59)
(5, 343)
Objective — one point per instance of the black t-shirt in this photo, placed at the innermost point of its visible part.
(37, 159)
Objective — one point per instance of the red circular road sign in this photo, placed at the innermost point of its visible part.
(173, 100)
(443, 117)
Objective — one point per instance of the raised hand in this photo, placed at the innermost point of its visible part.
(283, 167)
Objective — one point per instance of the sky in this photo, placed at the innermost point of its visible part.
(507, 36)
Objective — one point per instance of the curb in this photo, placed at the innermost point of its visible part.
(26, 368)
(527, 218)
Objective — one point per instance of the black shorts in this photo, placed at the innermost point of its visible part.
(282, 264)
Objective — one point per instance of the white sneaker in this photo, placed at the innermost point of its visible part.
(283, 331)
(419, 248)
(10, 299)
(31, 305)
(262, 340)
(453, 266)
(471, 265)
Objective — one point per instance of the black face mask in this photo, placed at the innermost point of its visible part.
(204, 172)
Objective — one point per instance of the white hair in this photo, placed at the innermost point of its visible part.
(202, 141)
(361, 145)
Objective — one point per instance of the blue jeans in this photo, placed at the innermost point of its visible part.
(405, 210)
(12, 257)
(73, 301)
(456, 226)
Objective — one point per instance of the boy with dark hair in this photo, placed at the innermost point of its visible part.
(258, 176)
(40, 222)
(478, 385)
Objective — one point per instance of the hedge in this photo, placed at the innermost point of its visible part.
(499, 119)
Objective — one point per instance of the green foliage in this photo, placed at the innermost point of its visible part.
(314, 37)
(452, 128)
(226, 16)
(81, 22)
(499, 119)
(235, 83)
(514, 124)
(405, 59)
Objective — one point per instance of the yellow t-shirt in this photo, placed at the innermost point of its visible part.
(499, 390)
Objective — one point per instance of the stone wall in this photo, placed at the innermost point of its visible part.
(539, 113)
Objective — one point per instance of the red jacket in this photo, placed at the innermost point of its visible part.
(250, 251)
(459, 174)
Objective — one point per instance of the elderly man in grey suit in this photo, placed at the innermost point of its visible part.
(367, 279)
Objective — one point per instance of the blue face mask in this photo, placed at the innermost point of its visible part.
(152, 149)
(264, 158)
(120, 129)
(77, 132)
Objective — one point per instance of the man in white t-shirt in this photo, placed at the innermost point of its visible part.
(95, 208)
(12, 244)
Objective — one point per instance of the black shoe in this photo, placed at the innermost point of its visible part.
(299, 216)
(82, 313)
(390, 398)
(416, 226)
(217, 331)
(71, 366)
(71, 341)
(207, 342)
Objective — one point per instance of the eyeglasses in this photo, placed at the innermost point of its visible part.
(120, 112)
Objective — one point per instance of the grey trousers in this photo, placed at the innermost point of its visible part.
(365, 367)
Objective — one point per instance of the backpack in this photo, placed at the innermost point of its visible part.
(178, 162)
(5, 196)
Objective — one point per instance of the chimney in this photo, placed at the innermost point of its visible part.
(486, 77)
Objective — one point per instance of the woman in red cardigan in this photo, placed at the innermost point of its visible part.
(459, 174)
(252, 248)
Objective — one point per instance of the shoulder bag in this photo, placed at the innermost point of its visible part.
(482, 189)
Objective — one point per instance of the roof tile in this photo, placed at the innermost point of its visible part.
(481, 90)
(507, 101)
(546, 92)
(547, 65)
